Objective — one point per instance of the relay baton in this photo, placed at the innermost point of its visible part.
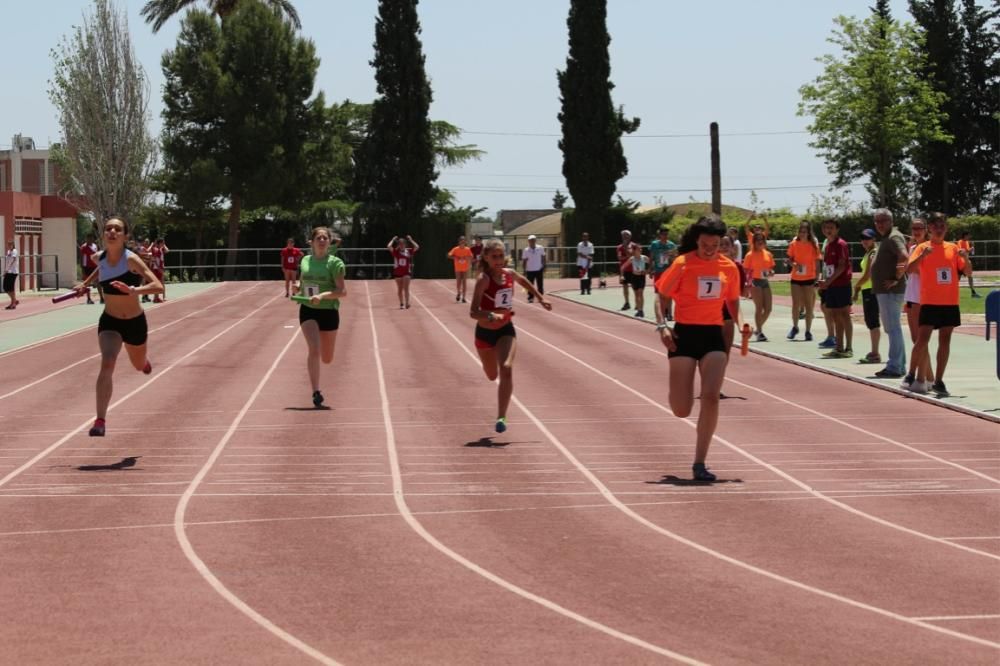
(70, 294)
(299, 298)
(745, 344)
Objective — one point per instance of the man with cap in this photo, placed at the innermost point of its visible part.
(533, 261)
(624, 255)
(888, 275)
(869, 303)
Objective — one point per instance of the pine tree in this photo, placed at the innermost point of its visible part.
(394, 176)
(593, 159)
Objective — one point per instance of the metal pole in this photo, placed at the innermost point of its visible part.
(713, 130)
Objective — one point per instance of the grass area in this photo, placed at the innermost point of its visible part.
(967, 304)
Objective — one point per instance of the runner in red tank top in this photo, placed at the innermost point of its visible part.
(158, 251)
(492, 308)
(402, 266)
(290, 258)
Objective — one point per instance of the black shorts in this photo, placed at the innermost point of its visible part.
(328, 320)
(9, 279)
(696, 340)
(836, 297)
(870, 305)
(804, 283)
(134, 331)
(487, 338)
(940, 316)
(636, 280)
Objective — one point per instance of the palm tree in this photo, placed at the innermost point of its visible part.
(159, 12)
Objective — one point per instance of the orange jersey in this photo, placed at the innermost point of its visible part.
(462, 256)
(804, 255)
(699, 288)
(965, 245)
(939, 273)
(757, 262)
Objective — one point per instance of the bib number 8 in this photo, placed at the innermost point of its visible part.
(944, 276)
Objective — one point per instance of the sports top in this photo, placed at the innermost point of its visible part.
(157, 253)
(660, 253)
(120, 272)
(402, 261)
(939, 273)
(837, 250)
(865, 260)
(758, 261)
(320, 275)
(462, 256)
(498, 297)
(805, 255)
(290, 257)
(701, 288)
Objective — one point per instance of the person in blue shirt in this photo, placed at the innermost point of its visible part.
(662, 252)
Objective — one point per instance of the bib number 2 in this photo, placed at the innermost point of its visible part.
(504, 298)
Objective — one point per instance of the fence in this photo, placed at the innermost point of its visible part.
(35, 268)
(376, 262)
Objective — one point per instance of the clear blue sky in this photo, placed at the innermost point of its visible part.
(677, 65)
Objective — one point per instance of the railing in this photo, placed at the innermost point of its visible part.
(34, 267)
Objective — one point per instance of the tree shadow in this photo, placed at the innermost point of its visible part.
(123, 464)
(487, 443)
(671, 480)
(320, 408)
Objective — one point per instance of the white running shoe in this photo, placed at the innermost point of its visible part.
(919, 387)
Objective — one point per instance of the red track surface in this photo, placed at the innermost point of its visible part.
(852, 526)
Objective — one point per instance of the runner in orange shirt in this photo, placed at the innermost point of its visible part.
(699, 281)
(965, 244)
(461, 254)
(759, 262)
(939, 264)
(804, 259)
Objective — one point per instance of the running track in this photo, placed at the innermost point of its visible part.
(222, 520)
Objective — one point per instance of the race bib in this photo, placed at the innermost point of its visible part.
(310, 289)
(800, 269)
(401, 262)
(943, 275)
(661, 258)
(828, 270)
(504, 298)
(709, 288)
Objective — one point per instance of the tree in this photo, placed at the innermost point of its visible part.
(238, 109)
(870, 109)
(394, 166)
(593, 159)
(158, 12)
(101, 93)
(559, 200)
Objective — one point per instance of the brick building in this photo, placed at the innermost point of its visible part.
(41, 224)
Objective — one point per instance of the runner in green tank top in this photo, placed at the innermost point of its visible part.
(319, 290)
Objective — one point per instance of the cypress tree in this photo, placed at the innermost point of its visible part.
(593, 159)
(394, 175)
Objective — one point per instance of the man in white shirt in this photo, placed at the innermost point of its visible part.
(10, 272)
(734, 233)
(584, 261)
(533, 262)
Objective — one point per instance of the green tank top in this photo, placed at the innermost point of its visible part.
(320, 275)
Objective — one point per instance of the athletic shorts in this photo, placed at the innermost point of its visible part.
(697, 340)
(401, 272)
(9, 280)
(487, 338)
(762, 283)
(328, 320)
(636, 280)
(134, 331)
(804, 283)
(837, 297)
(870, 305)
(940, 316)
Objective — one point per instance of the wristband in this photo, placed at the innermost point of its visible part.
(662, 325)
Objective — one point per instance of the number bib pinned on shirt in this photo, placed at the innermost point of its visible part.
(310, 289)
(800, 269)
(943, 275)
(504, 298)
(709, 287)
(828, 270)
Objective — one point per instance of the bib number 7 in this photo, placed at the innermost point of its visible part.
(709, 288)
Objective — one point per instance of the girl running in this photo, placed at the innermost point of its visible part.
(759, 262)
(290, 258)
(322, 281)
(402, 262)
(492, 308)
(804, 259)
(123, 278)
(700, 281)
(918, 379)
(461, 254)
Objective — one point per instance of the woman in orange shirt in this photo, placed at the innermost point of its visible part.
(965, 244)
(803, 259)
(759, 262)
(699, 281)
(461, 254)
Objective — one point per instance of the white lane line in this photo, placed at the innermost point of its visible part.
(62, 440)
(814, 412)
(417, 526)
(947, 618)
(624, 508)
(972, 538)
(93, 356)
(199, 564)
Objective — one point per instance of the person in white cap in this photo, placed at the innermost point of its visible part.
(533, 261)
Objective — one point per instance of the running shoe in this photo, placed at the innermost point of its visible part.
(870, 358)
(407, 306)
(457, 297)
(148, 368)
(317, 398)
(625, 307)
(829, 343)
(940, 390)
(907, 381)
(809, 336)
(640, 314)
(157, 300)
(976, 294)
(792, 333)
(888, 374)
(918, 387)
(98, 429)
(761, 337)
(463, 299)
(837, 353)
(700, 473)
(401, 306)
(501, 424)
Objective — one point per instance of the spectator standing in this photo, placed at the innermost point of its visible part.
(88, 262)
(920, 380)
(158, 252)
(585, 262)
(734, 235)
(869, 304)
(640, 266)
(804, 261)
(888, 276)
(964, 243)
(759, 263)
(624, 255)
(11, 270)
(836, 286)
(661, 253)
(533, 263)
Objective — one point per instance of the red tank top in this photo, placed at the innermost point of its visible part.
(497, 297)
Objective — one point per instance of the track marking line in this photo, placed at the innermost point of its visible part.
(614, 500)
(199, 564)
(62, 440)
(93, 356)
(947, 618)
(417, 526)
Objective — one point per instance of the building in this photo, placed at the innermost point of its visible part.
(41, 224)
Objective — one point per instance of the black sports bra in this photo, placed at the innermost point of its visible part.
(118, 273)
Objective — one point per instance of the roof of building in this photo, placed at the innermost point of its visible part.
(546, 225)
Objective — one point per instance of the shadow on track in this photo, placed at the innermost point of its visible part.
(487, 443)
(320, 408)
(671, 480)
(123, 464)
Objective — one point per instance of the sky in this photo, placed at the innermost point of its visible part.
(677, 65)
